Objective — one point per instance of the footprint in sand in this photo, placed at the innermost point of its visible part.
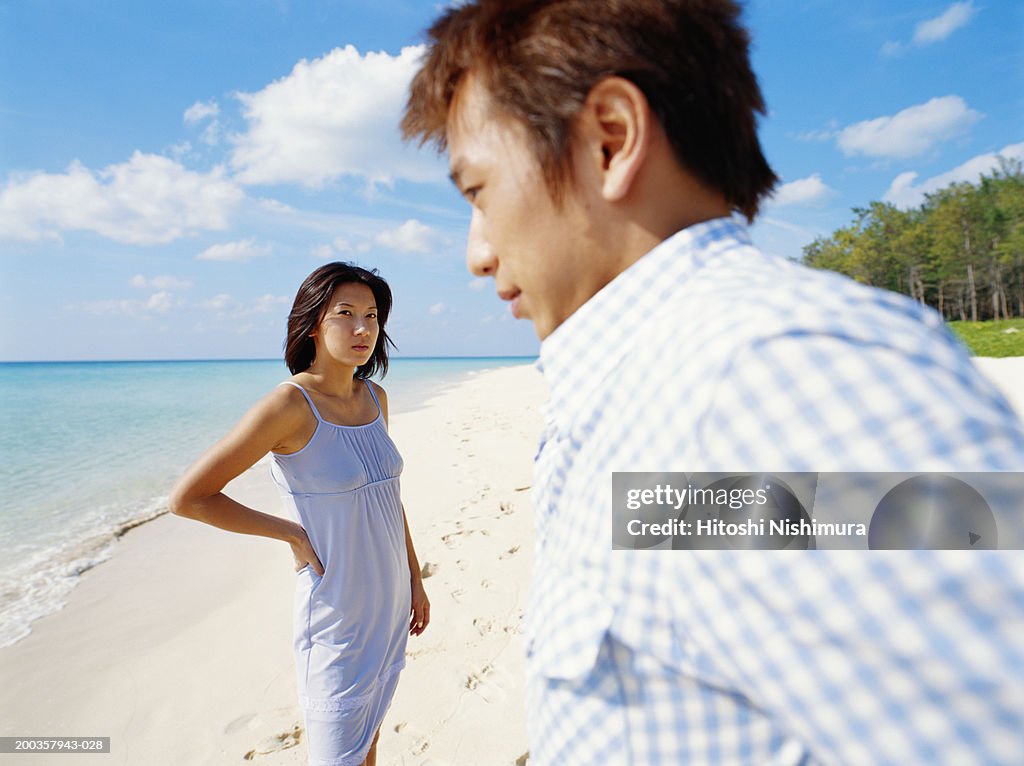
(489, 682)
(483, 627)
(523, 759)
(457, 595)
(510, 552)
(276, 743)
(474, 679)
(486, 584)
(451, 539)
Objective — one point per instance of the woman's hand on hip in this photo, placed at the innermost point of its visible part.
(304, 554)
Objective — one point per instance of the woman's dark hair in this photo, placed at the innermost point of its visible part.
(311, 304)
(539, 59)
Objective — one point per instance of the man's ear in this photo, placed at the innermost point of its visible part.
(615, 125)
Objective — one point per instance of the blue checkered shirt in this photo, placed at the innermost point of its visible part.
(708, 355)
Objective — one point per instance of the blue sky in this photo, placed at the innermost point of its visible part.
(172, 171)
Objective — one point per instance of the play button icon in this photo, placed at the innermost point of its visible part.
(932, 512)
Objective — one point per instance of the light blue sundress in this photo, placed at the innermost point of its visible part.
(351, 625)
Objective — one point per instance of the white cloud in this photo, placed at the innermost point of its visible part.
(110, 306)
(148, 200)
(910, 132)
(275, 206)
(330, 251)
(266, 304)
(160, 302)
(933, 30)
(242, 250)
(816, 135)
(905, 192)
(200, 111)
(162, 282)
(892, 48)
(942, 26)
(180, 149)
(411, 237)
(803, 191)
(330, 117)
(436, 310)
(480, 283)
(228, 306)
(219, 302)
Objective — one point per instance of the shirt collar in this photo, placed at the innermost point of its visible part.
(581, 351)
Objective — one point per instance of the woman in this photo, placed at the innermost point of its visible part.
(359, 590)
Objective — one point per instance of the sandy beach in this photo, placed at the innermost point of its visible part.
(178, 648)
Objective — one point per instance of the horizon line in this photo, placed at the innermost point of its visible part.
(246, 359)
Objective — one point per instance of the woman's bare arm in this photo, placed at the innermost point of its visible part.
(271, 424)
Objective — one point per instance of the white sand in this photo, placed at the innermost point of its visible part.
(179, 649)
(1008, 375)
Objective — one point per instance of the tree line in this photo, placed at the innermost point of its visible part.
(961, 251)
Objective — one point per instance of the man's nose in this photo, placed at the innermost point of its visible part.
(480, 258)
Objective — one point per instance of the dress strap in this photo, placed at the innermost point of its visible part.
(374, 395)
(312, 406)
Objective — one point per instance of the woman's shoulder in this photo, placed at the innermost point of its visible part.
(286, 401)
(382, 397)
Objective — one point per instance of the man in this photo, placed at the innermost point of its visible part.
(606, 148)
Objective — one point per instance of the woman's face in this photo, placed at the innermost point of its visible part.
(348, 330)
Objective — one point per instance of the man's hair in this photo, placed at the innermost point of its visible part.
(311, 304)
(539, 59)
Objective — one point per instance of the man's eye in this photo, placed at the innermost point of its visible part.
(471, 193)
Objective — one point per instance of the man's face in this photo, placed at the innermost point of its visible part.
(536, 252)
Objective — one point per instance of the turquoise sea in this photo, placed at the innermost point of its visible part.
(90, 448)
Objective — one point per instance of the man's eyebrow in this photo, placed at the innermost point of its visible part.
(456, 173)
